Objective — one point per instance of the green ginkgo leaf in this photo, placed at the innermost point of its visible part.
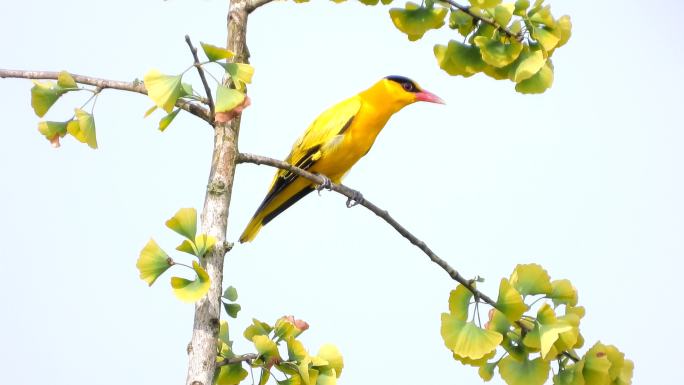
(215, 53)
(164, 90)
(521, 7)
(486, 371)
(462, 22)
(266, 347)
(330, 353)
(232, 309)
(184, 222)
(230, 294)
(563, 293)
(296, 350)
(466, 339)
(459, 59)
(503, 13)
(596, 369)
(548, 38)
(166, 120)
(52, 130)
(459, 302)
(550, 329)
(498, 322)
(44, 95)
(565, 26)
(496, 53)
(241, 73)
(153, 262)
(474, 363)
(230, 374)
(86, 128)
(485, 3)
(525, 372)
(224, 332)
(539, 82)
(65, 80)
(570, 375)
(257, 328)
(191, 291)
(510, 302)
(415, 20)
(531, 279)
(228, 98)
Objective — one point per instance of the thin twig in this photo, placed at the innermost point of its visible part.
(134, 86)
(243, 358)
(254, 4)
(207, 90)
(492, 22)
(354, 195)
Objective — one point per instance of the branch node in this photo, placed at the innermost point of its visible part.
(216, 188)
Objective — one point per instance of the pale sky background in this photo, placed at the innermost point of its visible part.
(585, 179)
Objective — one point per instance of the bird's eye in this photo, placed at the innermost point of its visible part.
(408, 87)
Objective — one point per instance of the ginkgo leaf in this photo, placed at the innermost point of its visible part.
(563, 293)
(86, 128)
(503, 13)
(525, 372)
(596, 369)
(191, 291)
(415, 20)
(330, 353)
(224, 329)
(548, 38)
(565, 26)
(184, 222)
(475, 363)
(539, 82)
(266, 347)
(531, 62)
(459, 59)
(510, 302)
(498, 322)
(550, 329)
(327, 377)
(52, 131)
(44, 95)
(230, 294)
(485, 3)
(204, 244)
(486, 371)
(65, 80)
(466, 339)
(166, 120)
(462, 22)
(241, 73)
(531, 279)
(257, 328)
(164, 90)
(496, 53)
(459, 302)
(570, 375)
(230, 374)
(215, 53)
(153, 262)
(296, 350)
(228, 98)
(232, 309)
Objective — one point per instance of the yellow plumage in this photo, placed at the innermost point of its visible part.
(334, 142)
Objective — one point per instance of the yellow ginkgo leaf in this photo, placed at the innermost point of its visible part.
(191, 291)
(466, 339)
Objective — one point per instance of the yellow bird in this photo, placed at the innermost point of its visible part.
(334, 142)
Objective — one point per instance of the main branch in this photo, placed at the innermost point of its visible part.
(134, 86)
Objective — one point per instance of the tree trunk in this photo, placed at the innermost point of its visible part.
(203, 348)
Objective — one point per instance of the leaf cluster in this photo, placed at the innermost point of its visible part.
(81, 125)
(154, 261)
(534, 323)
(503, 40)
(278, 349)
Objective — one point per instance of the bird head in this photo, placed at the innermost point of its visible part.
(405, 91)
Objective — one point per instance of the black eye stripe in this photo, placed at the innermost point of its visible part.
(406, 83)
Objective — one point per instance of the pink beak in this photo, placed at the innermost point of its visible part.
(426, 96)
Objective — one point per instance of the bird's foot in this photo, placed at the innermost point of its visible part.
(356, 198)
(327, 184)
